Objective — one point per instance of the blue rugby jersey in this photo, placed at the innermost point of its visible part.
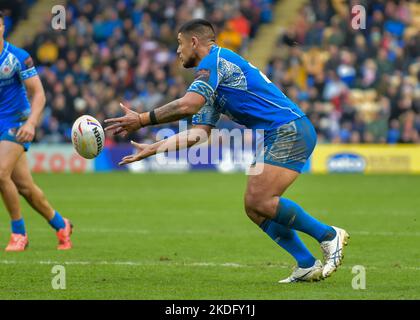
(234, 87)
(16, 65)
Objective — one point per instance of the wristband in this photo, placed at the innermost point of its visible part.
(152, 116)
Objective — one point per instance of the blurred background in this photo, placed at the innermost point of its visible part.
(359, 87)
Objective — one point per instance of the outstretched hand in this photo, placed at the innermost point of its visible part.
(126, 124)
(143, 151)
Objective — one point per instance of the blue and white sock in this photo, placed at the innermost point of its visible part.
(18, 226)
(57, 222)
(291, 215)
(289, 240)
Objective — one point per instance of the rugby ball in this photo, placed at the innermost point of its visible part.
(87, 136)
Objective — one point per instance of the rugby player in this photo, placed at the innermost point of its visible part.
(18, 120)
(226, 83)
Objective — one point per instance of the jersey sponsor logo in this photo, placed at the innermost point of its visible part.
(8, 67)
(346, 162)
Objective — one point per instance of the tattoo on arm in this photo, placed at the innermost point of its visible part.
(171, 111)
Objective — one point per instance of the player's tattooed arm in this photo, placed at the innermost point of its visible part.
(178, 109)
(196, 135)
(175, 110)
(171, 111)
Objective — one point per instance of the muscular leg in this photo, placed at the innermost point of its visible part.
(263, 199)
(24, 182)
(261, 202)
(279, 217)
(9, 155)
(35, 197)
(263, 192)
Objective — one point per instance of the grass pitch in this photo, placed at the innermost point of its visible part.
(185, 236)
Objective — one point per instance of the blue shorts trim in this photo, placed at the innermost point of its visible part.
(8, 131)
(289, 145)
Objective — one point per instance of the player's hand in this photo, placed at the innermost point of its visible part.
(143, 151)
(124, 125)
(26, 133)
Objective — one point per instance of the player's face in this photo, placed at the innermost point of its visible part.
(186, 51)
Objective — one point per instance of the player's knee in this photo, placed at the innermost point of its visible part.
(5, 176)
(248, 210)
(254, 205)
(25, 189)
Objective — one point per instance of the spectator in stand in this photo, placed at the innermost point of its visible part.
(230, 38)
(356, 85)
(125, 50)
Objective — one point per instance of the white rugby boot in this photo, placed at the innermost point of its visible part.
(333, 251)
(313, 273)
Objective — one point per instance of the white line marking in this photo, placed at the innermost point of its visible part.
(180, 264)
(227, 232)
(385, 233)
(134, 263)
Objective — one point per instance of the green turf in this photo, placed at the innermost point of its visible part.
(185, 236)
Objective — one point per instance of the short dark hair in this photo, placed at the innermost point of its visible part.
(199, 27)
(1, 15)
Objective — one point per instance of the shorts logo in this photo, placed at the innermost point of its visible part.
(12, 132)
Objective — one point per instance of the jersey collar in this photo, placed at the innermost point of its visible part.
(213, 48)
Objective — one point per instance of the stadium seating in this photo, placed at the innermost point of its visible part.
(369, 76)
(14, 12)
(345, 80)
(126, 52)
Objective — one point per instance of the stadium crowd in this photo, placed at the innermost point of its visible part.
(125, 51)
(355, 85)
(14, 11)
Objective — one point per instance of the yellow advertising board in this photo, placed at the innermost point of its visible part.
(366, 158)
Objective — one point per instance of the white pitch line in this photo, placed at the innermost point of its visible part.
(385, 233)
(178, 264)
(133, 263)
(198, 232)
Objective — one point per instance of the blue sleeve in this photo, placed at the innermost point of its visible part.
(27, 68)
(206, 77)
(207, 115)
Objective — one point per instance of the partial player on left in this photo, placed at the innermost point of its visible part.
(18, 120)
